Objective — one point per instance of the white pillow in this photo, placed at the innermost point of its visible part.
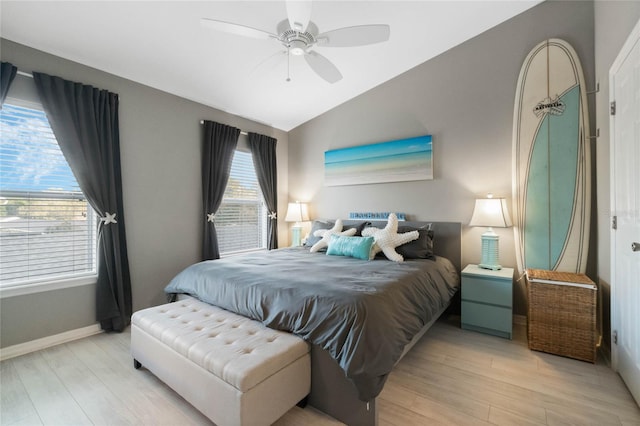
(388, 239)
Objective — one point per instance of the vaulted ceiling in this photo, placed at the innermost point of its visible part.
(162, 44)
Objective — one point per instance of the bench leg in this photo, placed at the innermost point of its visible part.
(303, 402)
(136, 364)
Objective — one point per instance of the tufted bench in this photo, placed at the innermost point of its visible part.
(234, 370)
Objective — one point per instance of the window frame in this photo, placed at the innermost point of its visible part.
(39, 285)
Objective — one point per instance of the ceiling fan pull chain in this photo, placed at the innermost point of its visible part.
(288, 62)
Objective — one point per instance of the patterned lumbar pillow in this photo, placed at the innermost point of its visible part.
(327, 233)
(387, 239)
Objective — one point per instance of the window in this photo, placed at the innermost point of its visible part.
(47, 228)
(241, 220)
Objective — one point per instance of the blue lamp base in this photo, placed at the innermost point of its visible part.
(295, 236)
(489, 256)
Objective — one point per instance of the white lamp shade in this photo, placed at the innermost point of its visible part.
(297, 212)
(491, 212)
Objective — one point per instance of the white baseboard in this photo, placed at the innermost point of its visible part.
(520, 319)
(49, 341)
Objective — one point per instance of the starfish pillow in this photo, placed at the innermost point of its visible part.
(387, 239)
(327, 233)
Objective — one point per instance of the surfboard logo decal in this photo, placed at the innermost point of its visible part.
(549, 106)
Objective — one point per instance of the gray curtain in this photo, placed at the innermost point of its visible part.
(218, 147)
(263, 152)
(85, 122)
(7, 74)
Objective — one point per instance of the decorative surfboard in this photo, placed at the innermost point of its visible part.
(551, 161)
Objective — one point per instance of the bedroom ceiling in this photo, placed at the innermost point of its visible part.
(163, 45)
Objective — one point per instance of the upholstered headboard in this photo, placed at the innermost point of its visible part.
(446, 241)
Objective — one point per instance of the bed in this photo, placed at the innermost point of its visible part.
(360, 316)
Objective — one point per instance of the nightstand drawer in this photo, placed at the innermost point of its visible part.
(486, 318)
(495, 292)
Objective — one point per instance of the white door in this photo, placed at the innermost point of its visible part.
(624, 84)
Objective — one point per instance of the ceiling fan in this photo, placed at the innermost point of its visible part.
(299, 35)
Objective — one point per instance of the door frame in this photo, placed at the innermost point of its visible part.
(633, 37)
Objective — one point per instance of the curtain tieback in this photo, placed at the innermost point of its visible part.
(211, 217)
(108, 218)
(273, 215)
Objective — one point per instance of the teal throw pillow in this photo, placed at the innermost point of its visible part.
(358, 247)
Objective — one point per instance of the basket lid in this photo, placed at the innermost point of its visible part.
(558, 277)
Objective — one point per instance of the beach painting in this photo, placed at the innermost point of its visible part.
(395, 161)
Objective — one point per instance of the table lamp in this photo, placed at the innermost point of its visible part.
(296, 212)
(490, 212)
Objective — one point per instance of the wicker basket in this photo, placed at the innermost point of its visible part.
(562, 314)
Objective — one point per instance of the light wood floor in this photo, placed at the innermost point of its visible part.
(452, 376)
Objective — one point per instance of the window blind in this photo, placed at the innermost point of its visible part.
(47, 228)
(241, 220)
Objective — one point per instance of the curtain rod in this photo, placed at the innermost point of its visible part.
(242, 132)
(26, 74)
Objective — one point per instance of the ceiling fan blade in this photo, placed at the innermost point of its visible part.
(299, 14)
(236, 29)
(360, 35)
(323, 67)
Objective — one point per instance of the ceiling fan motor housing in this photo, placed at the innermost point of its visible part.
(297, 42)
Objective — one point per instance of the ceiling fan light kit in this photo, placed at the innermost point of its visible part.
(298, 35)
(297, 49)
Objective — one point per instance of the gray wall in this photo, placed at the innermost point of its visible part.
(160, 152)
(464, 98)
(614, 21)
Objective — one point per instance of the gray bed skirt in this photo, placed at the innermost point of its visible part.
(333, 394)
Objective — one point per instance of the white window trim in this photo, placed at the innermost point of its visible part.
(48, 285)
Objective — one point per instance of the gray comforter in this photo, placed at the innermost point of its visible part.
(362, 312)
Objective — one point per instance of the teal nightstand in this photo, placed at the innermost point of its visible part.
(487, 300)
